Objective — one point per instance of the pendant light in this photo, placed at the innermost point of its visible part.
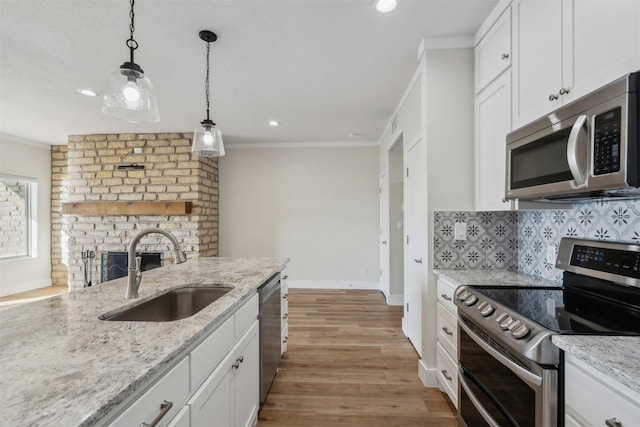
(129, 93)
(207, 138)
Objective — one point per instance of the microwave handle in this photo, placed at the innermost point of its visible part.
(576, 150)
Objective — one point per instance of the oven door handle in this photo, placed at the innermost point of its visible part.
(530, 378)
(577, 151)
(474, 400)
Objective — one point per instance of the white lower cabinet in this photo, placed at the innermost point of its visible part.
(284, 330)
(217, 384)
(593, 399)
(447, 346)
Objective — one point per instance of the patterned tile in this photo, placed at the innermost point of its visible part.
(519, 240)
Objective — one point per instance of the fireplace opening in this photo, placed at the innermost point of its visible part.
(114, 265)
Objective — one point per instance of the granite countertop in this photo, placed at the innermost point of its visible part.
(63, 366)
(612, 355)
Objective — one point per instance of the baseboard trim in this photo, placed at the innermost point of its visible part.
(333, 284)
(395, 299)
(428, 376)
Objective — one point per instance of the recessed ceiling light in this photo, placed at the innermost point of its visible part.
(87, 92)
(354, 134)
(274, 123)
(385, 6)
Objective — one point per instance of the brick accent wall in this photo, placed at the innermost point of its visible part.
(170, 173)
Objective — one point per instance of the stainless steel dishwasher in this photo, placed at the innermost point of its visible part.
(269, 316)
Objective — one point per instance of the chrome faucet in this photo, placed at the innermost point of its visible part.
(135, 272)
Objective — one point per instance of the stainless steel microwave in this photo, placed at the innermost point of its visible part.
(588, 148)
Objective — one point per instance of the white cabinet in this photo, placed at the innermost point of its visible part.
(492, 123)
(230, 394)
(565, 49)
(493, 51)
(284, 292)
(447, 346)
(161, 402)
(593, 399)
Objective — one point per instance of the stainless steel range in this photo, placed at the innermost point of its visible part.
(510, 371)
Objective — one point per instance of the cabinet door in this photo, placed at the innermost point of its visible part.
(211, 404)
(247, 378)
(493, 122)
(537, 59)
(493, 53)
(602, 39)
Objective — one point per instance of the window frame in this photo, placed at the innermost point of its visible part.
(31, 214)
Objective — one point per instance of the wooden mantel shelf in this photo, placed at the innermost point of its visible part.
(126, 208)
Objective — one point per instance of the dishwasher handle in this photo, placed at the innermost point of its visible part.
(269, 287)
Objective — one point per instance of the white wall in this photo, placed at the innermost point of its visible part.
(317, 206)
(32, 160)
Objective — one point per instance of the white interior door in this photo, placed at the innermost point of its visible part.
(384, 233)
(415, 240)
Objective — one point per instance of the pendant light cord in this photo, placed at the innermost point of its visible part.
(131, 43)
(206, 82)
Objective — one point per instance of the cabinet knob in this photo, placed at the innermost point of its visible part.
(241, 359)
(285, 339)
(285, 296)
(418, 260)
(553, 97)
(236, 365)
(505, 56)
(384, 242)
(564, 91)
(613, 422)
(286, 316)
(285, 277)
(445, 374)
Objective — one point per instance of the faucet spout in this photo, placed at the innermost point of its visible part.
(134, 270)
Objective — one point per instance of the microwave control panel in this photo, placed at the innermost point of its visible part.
(606, 142)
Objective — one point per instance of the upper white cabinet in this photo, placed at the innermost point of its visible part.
(492, 123)
(493, 52)
(565, 49)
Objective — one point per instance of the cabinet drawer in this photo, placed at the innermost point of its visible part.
(207, 355)
(448, 331)
(246, 315)
(173, 387)
(284, 335)
(447, 374)
(493, 52)
(446, 290)
(591, 398)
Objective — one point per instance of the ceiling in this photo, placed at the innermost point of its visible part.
(323, 68)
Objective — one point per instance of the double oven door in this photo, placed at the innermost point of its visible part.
(496, 389)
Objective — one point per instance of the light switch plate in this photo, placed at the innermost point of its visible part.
(460, 231)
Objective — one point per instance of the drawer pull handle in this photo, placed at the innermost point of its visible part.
(446, 297)
(285, 296)
(285, 340)
(505, 56)
(418, 260)
(165, 407)
(613, 422)
(286, 316)
(285, 277)
(445, 374)
(447, 331)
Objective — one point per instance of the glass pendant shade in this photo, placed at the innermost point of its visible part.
(207, 141)
(129, 96)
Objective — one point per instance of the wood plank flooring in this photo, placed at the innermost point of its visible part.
(349, 364)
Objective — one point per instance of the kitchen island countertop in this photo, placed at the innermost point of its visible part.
(63, 366)
(612, 355)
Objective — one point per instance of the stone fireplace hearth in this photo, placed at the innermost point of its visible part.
(121, 170)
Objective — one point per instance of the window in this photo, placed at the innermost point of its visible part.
(17, 216)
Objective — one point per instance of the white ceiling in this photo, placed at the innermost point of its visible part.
(324, 68)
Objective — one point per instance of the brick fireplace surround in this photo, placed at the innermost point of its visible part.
(86, 170)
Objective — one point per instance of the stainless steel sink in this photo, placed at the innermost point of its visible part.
(173, 305)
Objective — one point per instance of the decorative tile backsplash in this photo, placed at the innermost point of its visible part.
(491, 242)
(602, 220)
(520, 240)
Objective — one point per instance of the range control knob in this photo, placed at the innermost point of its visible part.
(462, 295)
(486, 310)
(500, 317)
(520, 331)
(514, 325)
(470, 300)
(506, 322)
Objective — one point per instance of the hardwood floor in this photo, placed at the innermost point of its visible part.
(349, 364)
